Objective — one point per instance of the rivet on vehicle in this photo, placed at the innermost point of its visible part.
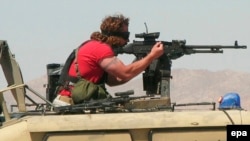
(194, 123)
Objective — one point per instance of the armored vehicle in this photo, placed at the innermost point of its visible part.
(123, 117)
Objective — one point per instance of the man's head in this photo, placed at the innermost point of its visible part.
(114, 31)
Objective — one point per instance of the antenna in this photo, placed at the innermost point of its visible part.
(146, 27)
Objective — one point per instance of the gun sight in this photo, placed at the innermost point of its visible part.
(148, 36)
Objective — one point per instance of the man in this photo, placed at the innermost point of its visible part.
(97, 62)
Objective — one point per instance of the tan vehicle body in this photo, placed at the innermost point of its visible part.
(161, 125)
(148, 126)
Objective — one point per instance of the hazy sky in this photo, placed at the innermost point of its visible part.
(40, 32)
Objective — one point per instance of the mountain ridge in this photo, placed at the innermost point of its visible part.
(187, 86)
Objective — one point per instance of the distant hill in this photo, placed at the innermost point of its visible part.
(186, 86)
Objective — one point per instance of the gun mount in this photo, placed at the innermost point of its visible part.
(156, 78)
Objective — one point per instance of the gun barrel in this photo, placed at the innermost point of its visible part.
(205, 51)
(214, 47)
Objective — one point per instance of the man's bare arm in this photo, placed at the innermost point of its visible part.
(121, 72)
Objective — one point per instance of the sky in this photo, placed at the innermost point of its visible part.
(40, 32)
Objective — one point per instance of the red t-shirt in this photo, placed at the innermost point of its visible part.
(89, 56)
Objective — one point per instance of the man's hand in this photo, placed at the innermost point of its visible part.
(157, 50)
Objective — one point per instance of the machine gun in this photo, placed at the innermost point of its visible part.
(156, 78)
(111, 104)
